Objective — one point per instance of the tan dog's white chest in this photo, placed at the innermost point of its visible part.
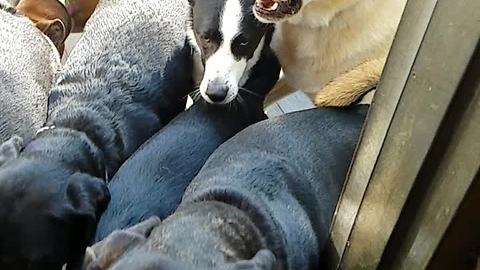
(330, 37)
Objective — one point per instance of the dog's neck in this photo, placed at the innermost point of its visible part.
(222, 235)
(316, 13)
(82, 154)
(98, 124)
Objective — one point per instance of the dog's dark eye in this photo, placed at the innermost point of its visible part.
(241, 41)
(205, 39)
(242, 46)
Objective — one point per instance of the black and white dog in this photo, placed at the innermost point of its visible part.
(125, 79)
(230, 41)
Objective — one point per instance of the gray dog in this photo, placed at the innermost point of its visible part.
(29, 66)
(126, 78)
(264, 200)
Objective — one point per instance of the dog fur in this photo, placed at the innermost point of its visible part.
(263, 200)
(152, 181)
(333, 50)
(29, 67)
(126, 78)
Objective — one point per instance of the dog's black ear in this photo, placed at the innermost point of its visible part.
(191, 2)
(87, 198)
(10, 149)
(263, 260)
(106, 252)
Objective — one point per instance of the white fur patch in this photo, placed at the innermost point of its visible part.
(252, 62)
(189, 103)
(191, 36)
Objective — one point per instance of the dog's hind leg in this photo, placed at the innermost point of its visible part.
(350, 86)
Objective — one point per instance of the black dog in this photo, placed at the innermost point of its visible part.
(153, 180)
(263, 200)
(127, 76)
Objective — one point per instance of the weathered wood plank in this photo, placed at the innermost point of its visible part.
(403, 148)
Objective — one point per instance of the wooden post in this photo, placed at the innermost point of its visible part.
(419, 155)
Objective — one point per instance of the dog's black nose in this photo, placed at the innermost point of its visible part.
(217, 91)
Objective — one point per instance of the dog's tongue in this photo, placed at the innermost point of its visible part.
(268, 4)
(272, 5)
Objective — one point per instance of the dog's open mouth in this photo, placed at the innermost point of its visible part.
(276, 10)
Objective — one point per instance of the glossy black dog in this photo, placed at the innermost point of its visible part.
(263, 200)
(126, 78)
(152, 181)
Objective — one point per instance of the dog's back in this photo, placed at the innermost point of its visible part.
(132, 52)
(28, 68)
(133, 24)
(286, 175)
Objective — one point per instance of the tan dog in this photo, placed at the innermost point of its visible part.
(50, 16)
(333, 50)
(80, 11)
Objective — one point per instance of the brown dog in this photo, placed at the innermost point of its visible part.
(80, 11)
(51, 17)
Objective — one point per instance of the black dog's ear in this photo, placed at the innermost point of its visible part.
(263, 260)
(10, 149)
(104, 253)
(87, 198)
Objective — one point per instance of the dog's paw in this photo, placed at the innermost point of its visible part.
(344, 91)
(334, 100)
(350, 86)
(10, 149)
(339, 94)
